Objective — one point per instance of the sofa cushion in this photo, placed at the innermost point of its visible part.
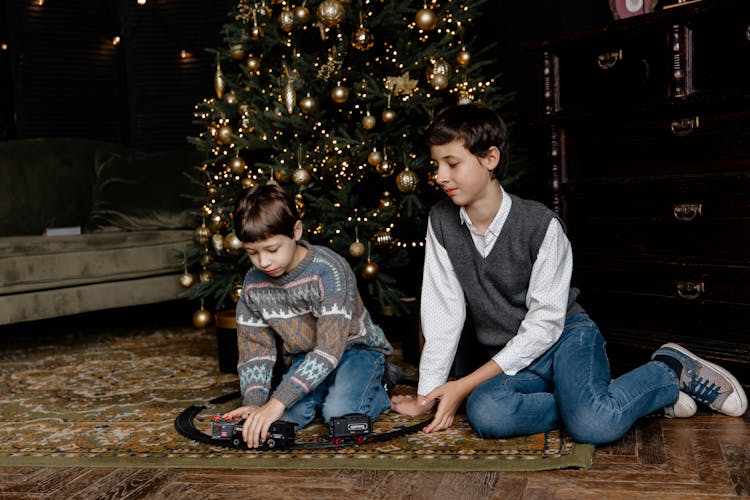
(32, 263)
(47, 182)
(145, 192)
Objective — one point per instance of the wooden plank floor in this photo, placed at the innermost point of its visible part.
(707, 456)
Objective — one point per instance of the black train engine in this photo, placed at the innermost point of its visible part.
(280, 435)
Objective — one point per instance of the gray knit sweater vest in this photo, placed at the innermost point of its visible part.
(495, 287)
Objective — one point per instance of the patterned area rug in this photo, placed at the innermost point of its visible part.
(111, 400)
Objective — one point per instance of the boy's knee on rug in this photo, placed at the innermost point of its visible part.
(588, 426)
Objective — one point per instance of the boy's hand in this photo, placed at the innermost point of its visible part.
(240, 413)
(409, 405)
(257, 422)
(449, 397)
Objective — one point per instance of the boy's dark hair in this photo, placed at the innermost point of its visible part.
(263, 211)
(479, 127)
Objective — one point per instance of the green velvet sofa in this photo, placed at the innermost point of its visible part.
(134, 213)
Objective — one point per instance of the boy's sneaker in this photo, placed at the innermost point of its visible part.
(707, 382)
(685, 407)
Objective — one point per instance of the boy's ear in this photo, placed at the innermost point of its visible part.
(298, 230)
(492, 158)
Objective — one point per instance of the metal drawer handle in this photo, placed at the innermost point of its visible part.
(607, 60)
(687, 211)
(690, 290)
(684, 126)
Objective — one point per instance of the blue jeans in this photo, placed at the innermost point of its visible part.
(353, 387)
(570, 385)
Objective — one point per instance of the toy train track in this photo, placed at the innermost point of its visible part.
(340, 436)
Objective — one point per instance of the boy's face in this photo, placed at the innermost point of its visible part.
(464, 177)
(278, 254)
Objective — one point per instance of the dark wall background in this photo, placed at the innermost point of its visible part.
(62, 76)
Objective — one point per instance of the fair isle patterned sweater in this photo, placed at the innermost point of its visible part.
(315, 309)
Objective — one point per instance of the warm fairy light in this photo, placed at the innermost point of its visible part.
(116, 40)
(184, 54)
(141, 2)
(4, 46)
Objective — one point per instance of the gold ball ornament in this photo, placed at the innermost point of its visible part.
(438, 73)
(216, 222)
(237, 291)
(339, 94)
(237, 165)
(224, 134)
(230, 98)
(388, 115)
(252, 63)
(281, 176)
(330, 13)
(385, 168)
(187, 279)
(406, 181)
(357, 249)
(386, 200)
(201, 318)
(370, 271)
(426, 19)
(301, 177)
(362, 39)
(299, 203)
(232, 244)
(375, 157)
(308, 104)
(256, 32)
(206, 260)
(237, 51)
(286, 20)
(463, 57)
(369, 121)
(248, 182)
(201, 234)
(301, 14)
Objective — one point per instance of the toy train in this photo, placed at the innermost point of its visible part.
(351, 428)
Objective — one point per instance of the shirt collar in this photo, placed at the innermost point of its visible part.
(497, 223)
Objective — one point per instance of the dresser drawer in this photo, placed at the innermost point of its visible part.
(721, 51)
(614, 74)
(679, 144)
(686, 217)
(684, 299)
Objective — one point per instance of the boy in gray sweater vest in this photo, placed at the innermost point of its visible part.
(509, 260)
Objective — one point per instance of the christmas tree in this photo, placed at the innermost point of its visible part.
(330, 99)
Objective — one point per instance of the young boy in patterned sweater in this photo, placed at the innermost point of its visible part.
(307, 296)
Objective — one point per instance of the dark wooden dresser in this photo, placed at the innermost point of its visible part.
(648, 123)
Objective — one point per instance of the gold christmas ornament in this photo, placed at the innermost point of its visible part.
(370, 271)
(205, 276)
(357, 249)
(187, 279)
(386, 167)
(386, 200)
(339, 94)
(281, 176)
(230, 98)
(220, 83)
(236, 165)
(252, 63)
(286, 20)
(301, 14)
(201, 234)
(362, 39)
(406, 181)
(201, 318)
(369, 121)
(375, 157)
(383, 239)
(217, 242)
(256, 32)
(308, 104)
(237, 51)
(465, 98)
(216, 222)
(330, 13)
(248, 182)
(206, 260)
(388, 115)
(237, 292)
(438, 73)
(463, 57)
(301, 177)
(232, 244)
(224, 134)
(426, 19)
(289, 96)
(300, 204)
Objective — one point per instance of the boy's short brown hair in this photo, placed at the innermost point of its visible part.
(479, 127)
(263, 211)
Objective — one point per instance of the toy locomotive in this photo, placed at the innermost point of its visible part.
(354, 427)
